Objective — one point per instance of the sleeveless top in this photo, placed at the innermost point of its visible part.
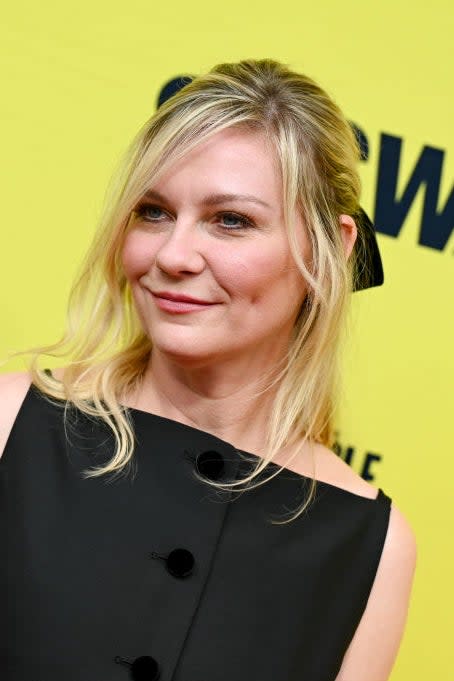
(157, 575)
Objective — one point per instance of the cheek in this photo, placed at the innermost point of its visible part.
(266, 268)
(242, 273)
(136, 255)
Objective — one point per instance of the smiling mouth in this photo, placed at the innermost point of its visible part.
(180, 298)
(178, 305)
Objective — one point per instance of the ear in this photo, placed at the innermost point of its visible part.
(349, 233)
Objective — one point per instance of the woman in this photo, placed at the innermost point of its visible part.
(147, 484)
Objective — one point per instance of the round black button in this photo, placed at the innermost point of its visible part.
(180, 563)
(210, 464)
(145, 668)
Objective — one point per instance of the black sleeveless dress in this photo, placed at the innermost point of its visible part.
(158, 575)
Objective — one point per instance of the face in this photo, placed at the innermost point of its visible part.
(212, 229)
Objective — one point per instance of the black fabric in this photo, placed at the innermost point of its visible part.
(159, 574)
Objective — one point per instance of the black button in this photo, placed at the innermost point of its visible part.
(180, 563)
(145, 668)
(210, 464)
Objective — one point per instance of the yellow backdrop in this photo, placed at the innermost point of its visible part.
(81, 77)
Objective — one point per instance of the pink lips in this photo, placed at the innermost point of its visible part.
(179, 303)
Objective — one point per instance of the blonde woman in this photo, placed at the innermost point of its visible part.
(171, 504)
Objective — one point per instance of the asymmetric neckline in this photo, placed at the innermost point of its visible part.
(141, 415)
(149, 418)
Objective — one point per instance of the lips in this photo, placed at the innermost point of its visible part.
(181, 298)
(180, 303)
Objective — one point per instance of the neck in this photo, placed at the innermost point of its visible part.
(220, 400)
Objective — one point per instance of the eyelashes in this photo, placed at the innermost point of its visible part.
(238, 221)
(243, 220)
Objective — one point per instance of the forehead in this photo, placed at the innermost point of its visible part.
(232, 161)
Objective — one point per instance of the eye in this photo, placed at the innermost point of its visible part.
(149, 212)
(234, 221)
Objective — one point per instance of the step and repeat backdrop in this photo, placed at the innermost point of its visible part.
(81, 77)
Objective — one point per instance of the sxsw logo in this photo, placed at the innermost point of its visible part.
(391, 210)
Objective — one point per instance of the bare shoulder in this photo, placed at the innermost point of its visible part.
(332, 469)
(13, 389)
(383, 622)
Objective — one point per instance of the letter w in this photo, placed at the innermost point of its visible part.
(390, 212)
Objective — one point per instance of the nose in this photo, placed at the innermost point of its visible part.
(180, 251)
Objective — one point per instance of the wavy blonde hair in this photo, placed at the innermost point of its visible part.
(104, 342)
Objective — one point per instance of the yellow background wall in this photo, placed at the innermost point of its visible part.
(81, 77)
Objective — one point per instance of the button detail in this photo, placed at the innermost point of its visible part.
(180, 563)
(145, 668)
(210, 464)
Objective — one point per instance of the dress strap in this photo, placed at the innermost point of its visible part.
(383, 498)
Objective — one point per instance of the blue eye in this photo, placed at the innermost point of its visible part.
(148, 212)
(235, 221)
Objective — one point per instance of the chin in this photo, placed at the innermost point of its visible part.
(189, 354)
(188, 361)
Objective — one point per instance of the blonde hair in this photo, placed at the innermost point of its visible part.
(104, 342)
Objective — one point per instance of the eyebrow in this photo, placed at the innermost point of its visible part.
(213, 199)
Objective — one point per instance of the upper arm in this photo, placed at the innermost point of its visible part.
(13, 388)
(375, 644)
